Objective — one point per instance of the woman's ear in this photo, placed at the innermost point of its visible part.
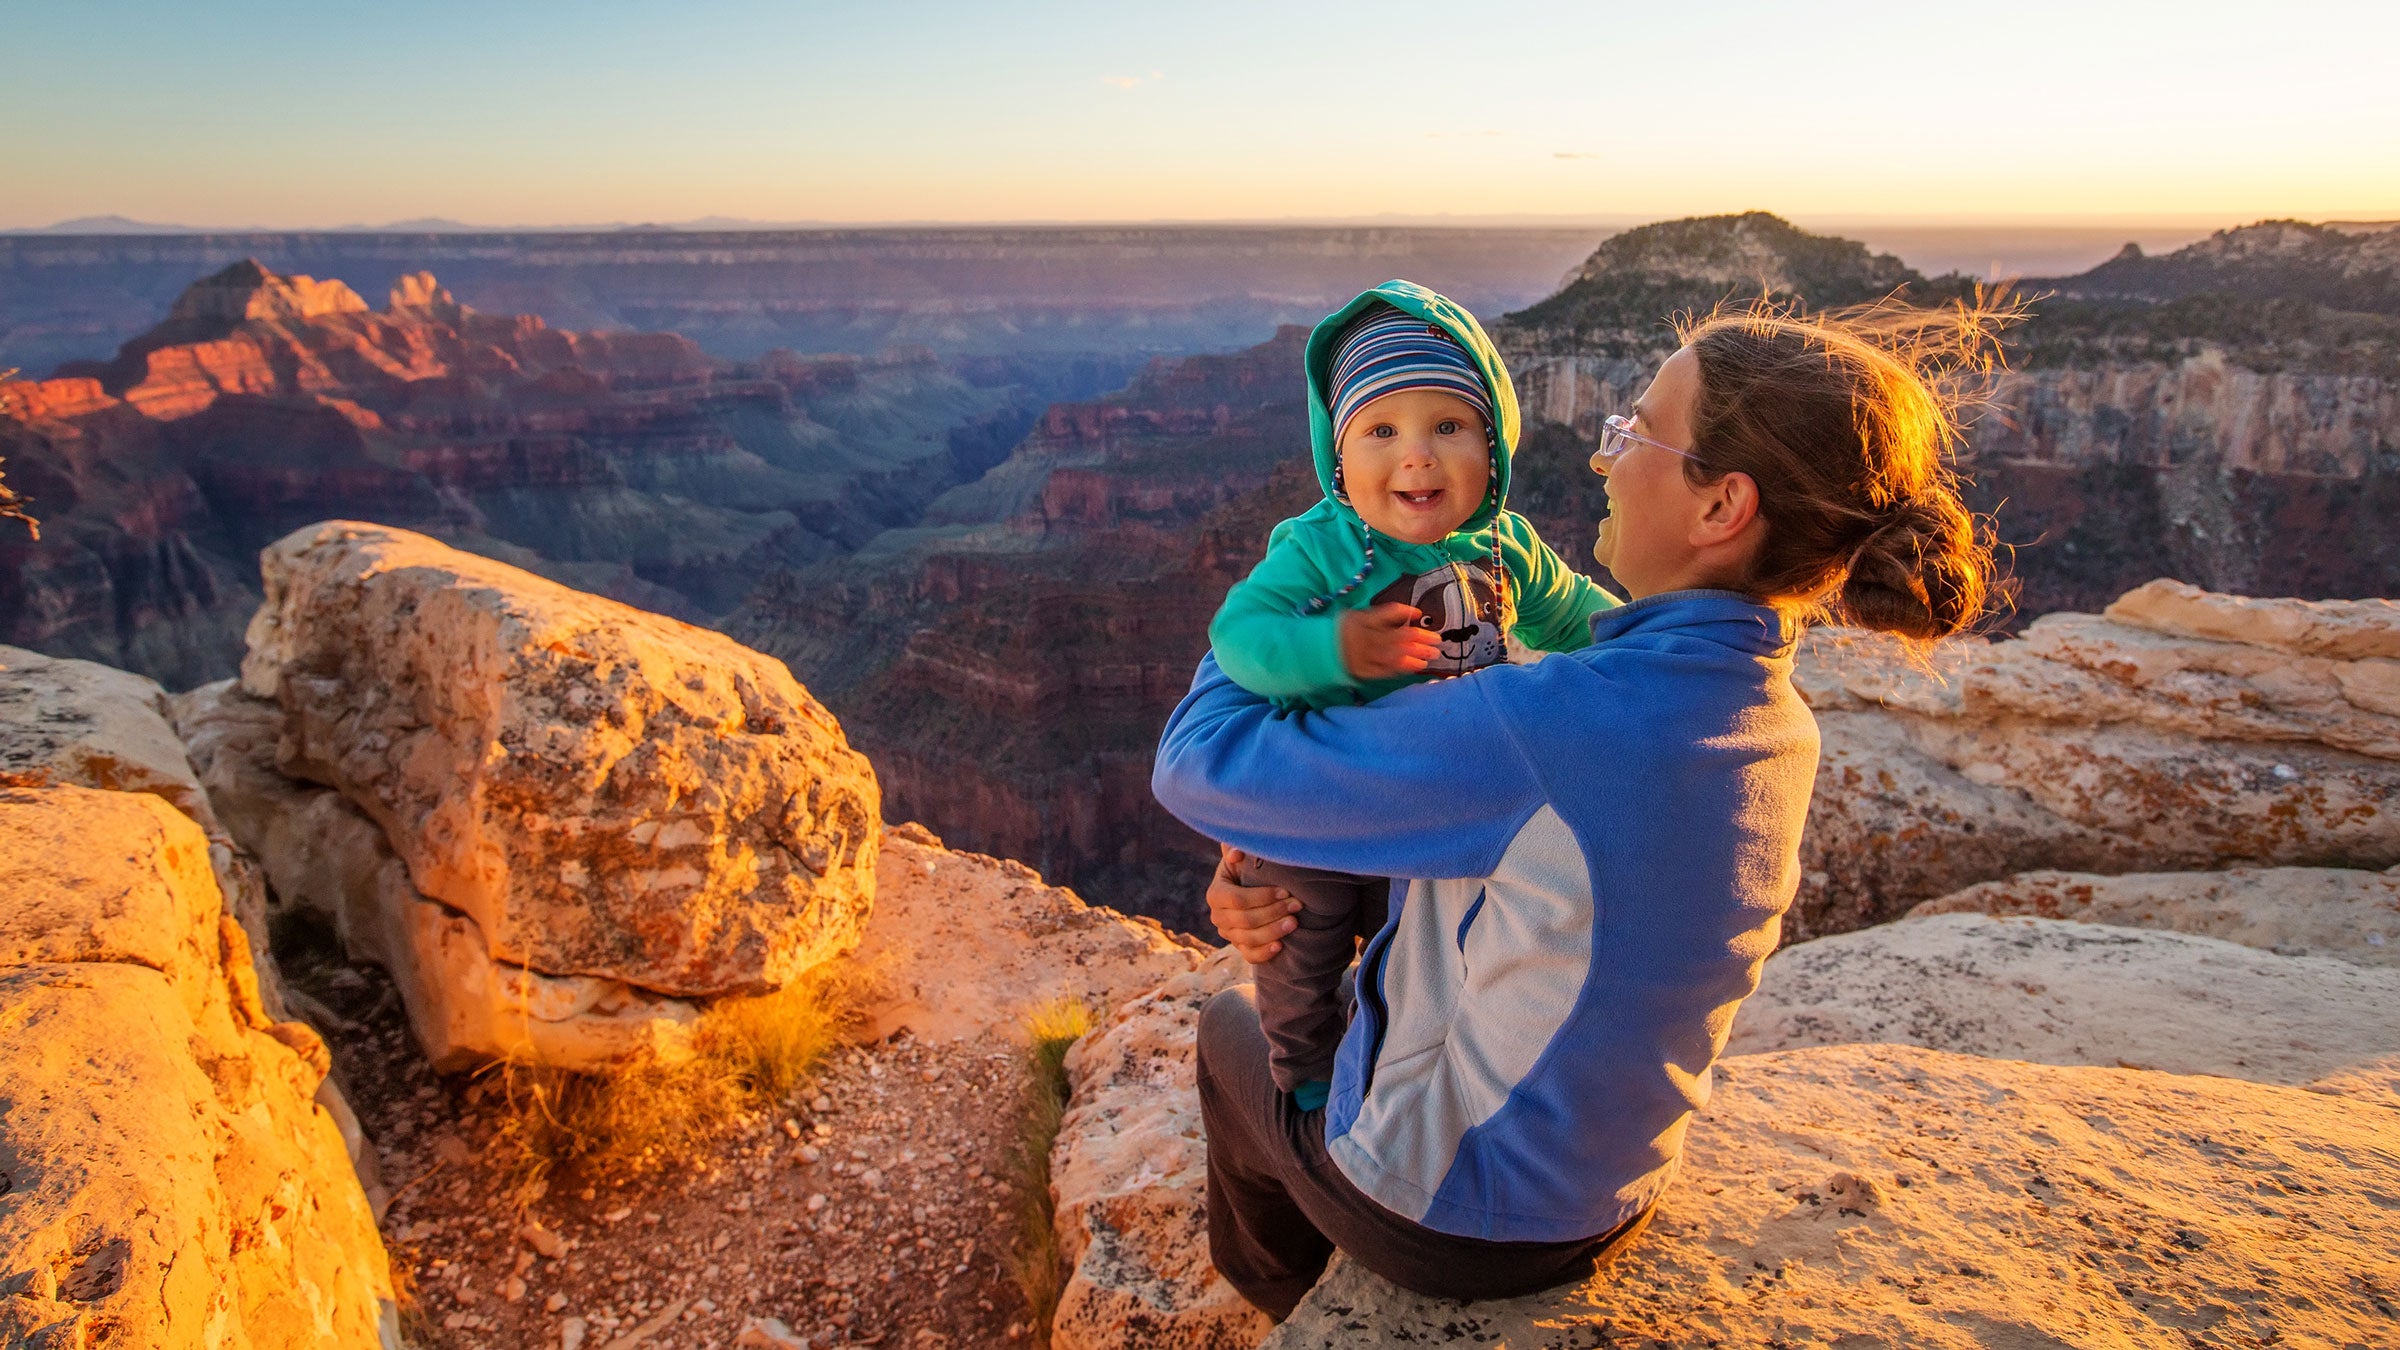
(1728, 507)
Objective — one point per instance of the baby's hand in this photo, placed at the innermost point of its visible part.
(1385, 641)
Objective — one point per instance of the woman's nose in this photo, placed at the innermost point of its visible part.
(1599, 464)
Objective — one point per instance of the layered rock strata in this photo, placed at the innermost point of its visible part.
(554, 812)
(2225, 414)
(626, 463)
(2339, 912)
(2055, 991)
(169, 1179)
(2179, 730)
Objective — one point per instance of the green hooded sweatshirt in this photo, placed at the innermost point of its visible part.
(1278, 632)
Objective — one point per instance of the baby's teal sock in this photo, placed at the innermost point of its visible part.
(1311, 1094)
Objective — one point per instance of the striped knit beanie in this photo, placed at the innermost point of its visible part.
(1385, 351)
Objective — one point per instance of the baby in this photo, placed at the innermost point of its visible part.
(1411, 569)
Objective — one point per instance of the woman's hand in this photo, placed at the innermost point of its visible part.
(1249, 918)
(1387, 640)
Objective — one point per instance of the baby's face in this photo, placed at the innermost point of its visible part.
(1416, 464)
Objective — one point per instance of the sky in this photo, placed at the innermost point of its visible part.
(525, 112)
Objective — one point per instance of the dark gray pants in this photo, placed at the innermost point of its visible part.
(1299, 999)
(1277, 1205)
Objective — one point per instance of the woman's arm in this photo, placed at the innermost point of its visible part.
(1426, 782)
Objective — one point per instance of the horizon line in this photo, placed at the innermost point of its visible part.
(111, 224)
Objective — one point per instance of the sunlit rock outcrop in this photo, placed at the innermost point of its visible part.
(167, 1177)
(2180, 730)
(554, 812)
(1127, 1175)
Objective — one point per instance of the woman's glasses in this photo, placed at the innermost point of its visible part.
(1617, 436)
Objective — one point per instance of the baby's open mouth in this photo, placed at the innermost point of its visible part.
(1420, 499)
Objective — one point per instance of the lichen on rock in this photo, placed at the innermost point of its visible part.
(604, 792)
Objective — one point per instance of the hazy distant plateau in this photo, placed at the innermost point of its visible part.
(960, 292)
(1116, 291)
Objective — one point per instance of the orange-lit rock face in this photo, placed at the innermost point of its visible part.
(170, 1176)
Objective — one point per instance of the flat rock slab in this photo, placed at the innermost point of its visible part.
(2059, 992)
(1887, 1196)
(2344, 913)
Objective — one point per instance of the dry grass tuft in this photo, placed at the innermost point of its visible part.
(748, 1055)
(1034, 1259)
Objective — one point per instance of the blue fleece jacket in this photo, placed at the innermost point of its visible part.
(1592, 856)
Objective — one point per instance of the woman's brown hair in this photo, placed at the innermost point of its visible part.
(1849, 422)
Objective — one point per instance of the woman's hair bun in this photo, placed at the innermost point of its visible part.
(1922, 572)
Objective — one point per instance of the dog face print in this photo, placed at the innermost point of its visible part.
(1460, 604)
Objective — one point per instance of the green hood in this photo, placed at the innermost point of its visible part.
(1410, 298)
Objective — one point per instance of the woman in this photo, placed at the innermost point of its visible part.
(1592, 853)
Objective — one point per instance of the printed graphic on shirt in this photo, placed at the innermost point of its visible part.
(1461, 605)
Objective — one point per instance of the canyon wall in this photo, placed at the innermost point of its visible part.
(2227, 415)
(631, 464)
(1010, 669)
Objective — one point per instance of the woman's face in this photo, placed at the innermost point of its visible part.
(1646, 539)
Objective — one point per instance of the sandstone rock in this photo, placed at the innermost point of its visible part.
(2159, 738)
(80, 722)
(1126, 1175)
(85, 723)
(604, 792)
(1887, 1196)
(246, 291)
(2338, 912)
(2059, 992)
(2375, 1079)
(169, 1180)
(965, 943)
(325, 856)
(2342, 630)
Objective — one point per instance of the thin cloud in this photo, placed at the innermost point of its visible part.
(1461, 135)
(1572, 154)
(1131, 81)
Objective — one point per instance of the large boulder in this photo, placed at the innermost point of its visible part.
(1872, 1195)
(586, 790)
(325, 857)
(2060, 992)
(167, 1177)
(1126, 1176)
(2339, 912)
(2178, 731)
